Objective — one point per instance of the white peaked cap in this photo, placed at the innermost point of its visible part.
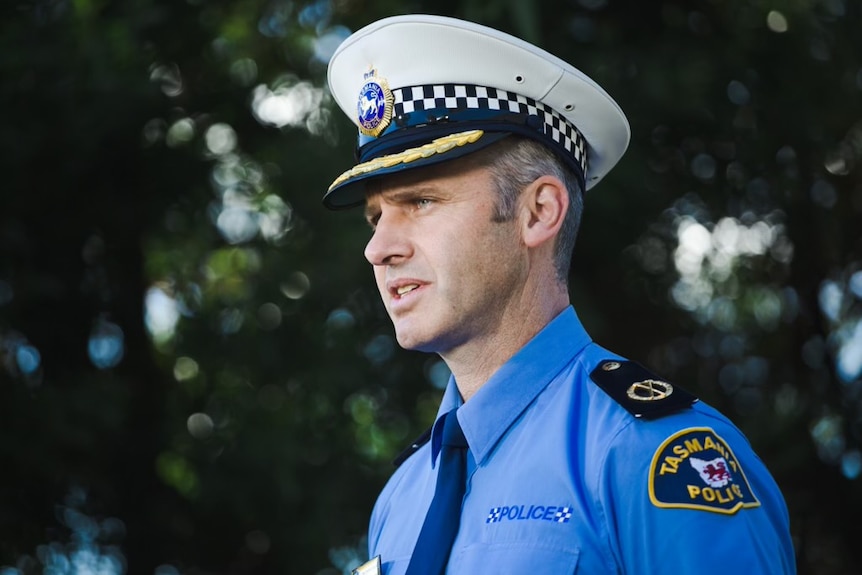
(424, 89)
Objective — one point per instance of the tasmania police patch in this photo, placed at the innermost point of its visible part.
(695, 469)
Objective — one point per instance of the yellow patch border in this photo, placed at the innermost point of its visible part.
(656, 460)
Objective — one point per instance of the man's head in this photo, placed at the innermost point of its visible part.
(475, 151)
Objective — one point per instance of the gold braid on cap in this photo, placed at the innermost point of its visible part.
(438, 146)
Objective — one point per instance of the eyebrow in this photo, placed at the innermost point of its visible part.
(408, 193)
(401, 195)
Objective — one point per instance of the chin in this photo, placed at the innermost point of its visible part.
(410, 342)
(415, 342)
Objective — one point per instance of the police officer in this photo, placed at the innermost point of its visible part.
(549, 454)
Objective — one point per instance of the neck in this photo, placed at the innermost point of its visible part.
(475, 361)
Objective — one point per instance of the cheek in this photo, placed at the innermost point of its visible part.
(380, 278)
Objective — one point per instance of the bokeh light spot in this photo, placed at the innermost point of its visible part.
(106, 345)
(824, 194)
(848, 362)
(269, 316)
(296, 285)
(237, 225)
(837, 162)
(855, 284)
(154, 130)
(776, 21)
(220, 139)
(200, 425)
(177, 472)
(315, 14)
(341, 319)
(275, 217)
(244, 71)
(851, 464)
(766, 307)
(326, 43)
(703, 167)
(230, 321)
(181, 132)
(289, 103)
(185, 368)
(275, 20)
(738, 93)
(362, 408)
(169, 78)
(380, 349)
(28, 359)
(829, 438)
(831, 298)
(438, 373)
(161, 314)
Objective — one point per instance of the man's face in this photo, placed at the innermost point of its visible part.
(446, 272)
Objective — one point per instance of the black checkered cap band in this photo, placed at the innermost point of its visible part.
(466, 96)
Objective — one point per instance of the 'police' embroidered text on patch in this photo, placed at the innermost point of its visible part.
(696, 469)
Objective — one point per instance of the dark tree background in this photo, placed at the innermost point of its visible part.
(195, 373)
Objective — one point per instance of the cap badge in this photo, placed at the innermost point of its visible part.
(374, 108)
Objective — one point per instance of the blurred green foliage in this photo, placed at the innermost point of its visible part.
(196, 375)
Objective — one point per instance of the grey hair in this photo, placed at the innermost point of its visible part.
(517, 162)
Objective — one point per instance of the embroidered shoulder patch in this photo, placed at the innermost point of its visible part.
(696, 469)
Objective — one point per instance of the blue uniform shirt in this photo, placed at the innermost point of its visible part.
(562, 479)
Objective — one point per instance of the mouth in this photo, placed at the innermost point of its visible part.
(405, 289)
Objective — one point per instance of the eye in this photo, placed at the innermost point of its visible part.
(372, 220)
(423, 203)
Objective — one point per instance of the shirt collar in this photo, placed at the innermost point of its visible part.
(501, 400)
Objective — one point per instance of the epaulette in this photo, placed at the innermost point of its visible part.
(412, 448)
(639, 391)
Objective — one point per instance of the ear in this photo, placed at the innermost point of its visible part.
(543, 208)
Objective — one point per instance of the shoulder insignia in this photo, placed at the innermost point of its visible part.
(696, 469)
(412, 448)
(642, 393)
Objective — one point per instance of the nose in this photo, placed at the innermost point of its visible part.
(389, 244)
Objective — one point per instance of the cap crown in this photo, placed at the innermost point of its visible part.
(428, 51)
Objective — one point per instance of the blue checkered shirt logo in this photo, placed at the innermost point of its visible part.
(563, 515)
(494, 515)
